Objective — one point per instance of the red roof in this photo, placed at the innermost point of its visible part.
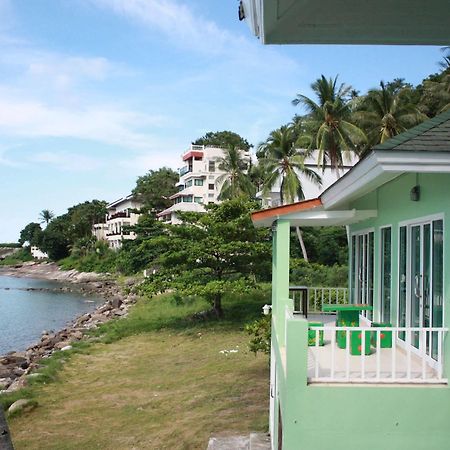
(192, 154)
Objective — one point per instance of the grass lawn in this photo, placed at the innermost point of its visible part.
(160, 383)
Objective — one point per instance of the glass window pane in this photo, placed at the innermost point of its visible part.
(386, 275)
(438, 277)
(401, 319)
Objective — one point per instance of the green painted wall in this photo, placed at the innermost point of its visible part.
(351, 417)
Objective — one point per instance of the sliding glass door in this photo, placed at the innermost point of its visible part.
(362, 269)
(421, 280)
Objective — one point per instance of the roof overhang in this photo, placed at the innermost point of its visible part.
(317, 217)
(379, 168)
(349, 22)
(192, 154)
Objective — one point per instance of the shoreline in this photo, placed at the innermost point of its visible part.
(15, 367)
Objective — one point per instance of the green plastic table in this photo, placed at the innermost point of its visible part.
(347, 316)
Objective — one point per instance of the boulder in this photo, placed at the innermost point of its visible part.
(17, 384)
(21, 405)
(116, 302)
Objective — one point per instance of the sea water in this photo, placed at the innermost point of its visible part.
(29, 306)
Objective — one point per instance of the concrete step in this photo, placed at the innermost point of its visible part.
(229, 443)
(259, 441)
(256, 441)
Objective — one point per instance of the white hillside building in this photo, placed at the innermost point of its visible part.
(198, 184)
(310, 190)
(120, 215)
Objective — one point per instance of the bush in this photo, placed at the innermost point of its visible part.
(259, 330)
(19, 257)
(313, 274)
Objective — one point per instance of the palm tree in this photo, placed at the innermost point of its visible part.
(285, 164)
(328, 122)
(384, 113)
(235, 182)
(45, 216)
(440, 90)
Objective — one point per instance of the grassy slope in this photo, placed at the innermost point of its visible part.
(163, 385)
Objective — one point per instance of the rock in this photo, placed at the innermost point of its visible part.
(77, 335)
(120, 312)
(116, 302)
(62, 344)
(67, 347)
(17, 384)
(4, 383)
(21, 405)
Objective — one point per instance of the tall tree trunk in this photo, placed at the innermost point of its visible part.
(302, 244)
(217, 305)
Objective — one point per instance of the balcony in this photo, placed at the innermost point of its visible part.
(362, 354)
(120, 214)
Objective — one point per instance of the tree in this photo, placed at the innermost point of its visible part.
(72, 229)
(384, 112)
(154, 189)
(212, 253)
(223, 139)
(234, 182)
(46, 216)
(285, 164)
(32, 234)
(329, 125)
(140, 253)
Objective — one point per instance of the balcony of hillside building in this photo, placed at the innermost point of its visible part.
(345, 344)
(119, 215)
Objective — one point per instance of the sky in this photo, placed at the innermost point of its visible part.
(94, 93)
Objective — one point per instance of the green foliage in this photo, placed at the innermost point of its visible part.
(98, 258)
(19, 257)
(140, 253)
(326, 245)
(212, 254)
(317, 275)
(69, 230)
(259, 330)
(32, 234)
(235, 181)
(154, 189)
(10, 245)
(223, 139)
(284, 163)
(329, 124)
(46, 216)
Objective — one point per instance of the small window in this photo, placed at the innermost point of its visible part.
(188, 183)
(212, 166)
(187, 198)
(211, 195)
(198, 199)
(211, 187)
(198, 182)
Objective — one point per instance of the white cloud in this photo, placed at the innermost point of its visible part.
(110, 124)
(67, 161)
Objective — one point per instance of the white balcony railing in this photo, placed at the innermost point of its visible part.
(393, 355)
(316, 297)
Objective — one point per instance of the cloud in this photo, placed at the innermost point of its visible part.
(110, 124)
(67, 161)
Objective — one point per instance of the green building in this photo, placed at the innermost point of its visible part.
(394, 394)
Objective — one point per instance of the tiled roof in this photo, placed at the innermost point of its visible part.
(431, 135)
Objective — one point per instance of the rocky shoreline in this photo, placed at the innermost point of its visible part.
(17, 367)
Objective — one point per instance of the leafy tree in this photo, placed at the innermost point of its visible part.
(55, 238)
(154, 189)
(384, 113)
(32, 234)
(212, 253)
(72, 229)
(140, 253)
(329, 123)
(46, 216)
(235, 181)
(223, 139)
(437, 92)
(285, 164)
